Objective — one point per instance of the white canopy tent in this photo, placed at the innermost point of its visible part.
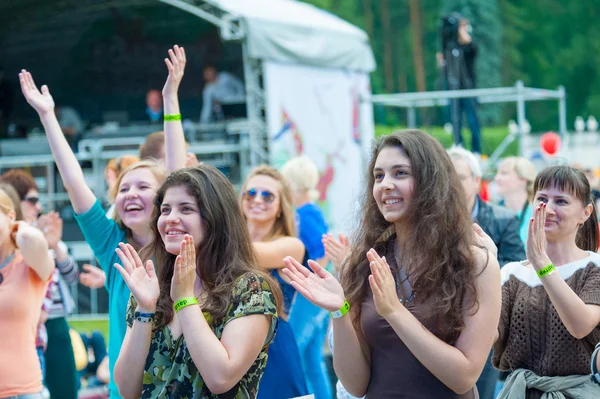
(305, 71)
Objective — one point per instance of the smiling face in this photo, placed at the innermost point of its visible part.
(179, 215)
(394, 184)
(564, 213)
(134, 198)
(261, 199)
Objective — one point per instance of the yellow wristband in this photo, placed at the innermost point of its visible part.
(342, 312)
(172, 117)
(182, 303)
(546, 271)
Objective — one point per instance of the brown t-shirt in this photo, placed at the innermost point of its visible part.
(395, 372)
(531, 334)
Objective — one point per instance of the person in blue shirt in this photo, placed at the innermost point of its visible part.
(137, 186)
(309, 322)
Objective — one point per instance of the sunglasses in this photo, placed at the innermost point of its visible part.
(32, 200)
(266, 195)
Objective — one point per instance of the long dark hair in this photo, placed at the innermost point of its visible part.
(226, 252)
(437, 252)
(572, 180)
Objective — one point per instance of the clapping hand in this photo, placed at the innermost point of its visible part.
(184, 275)
(42, 101)
(336, 251)
(321, 287)
(383, 285)
(536, 240)
(176, 66)
(94, 277)
(142, 281)
(52, 226)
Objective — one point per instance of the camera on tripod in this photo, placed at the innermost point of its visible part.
(449, 30)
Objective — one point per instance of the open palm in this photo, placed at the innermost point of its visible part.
(142, 281)
(42, 101)
(321, 287)
(176, 66)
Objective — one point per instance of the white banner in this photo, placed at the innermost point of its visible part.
(316, 112)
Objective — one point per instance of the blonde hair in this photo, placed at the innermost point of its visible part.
(284, 225)
(302, 175)
(14, 196)
(524, 169)
(6, 204)
(118, 165)
(156, 169)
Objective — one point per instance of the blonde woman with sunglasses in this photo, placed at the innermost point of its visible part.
(268, 208)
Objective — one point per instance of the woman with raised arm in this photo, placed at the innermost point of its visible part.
(419, 301)
(25, 270)
(550, 316)
(137, 186)
(268, 208)
(201, 327)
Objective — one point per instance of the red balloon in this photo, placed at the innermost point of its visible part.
(550, 143)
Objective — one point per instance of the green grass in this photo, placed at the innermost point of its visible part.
(86, 326)
(491, 137)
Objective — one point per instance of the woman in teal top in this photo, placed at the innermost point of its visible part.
(137, 186)
(514, 183)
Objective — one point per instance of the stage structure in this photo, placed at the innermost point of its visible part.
(305, 71)
(518, 94)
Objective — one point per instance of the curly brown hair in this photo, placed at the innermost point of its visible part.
(437, 252)
(226, 252)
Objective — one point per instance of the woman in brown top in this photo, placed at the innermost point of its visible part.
(549, 320)
(422, 317)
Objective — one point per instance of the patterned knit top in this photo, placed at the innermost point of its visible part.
(531, 334)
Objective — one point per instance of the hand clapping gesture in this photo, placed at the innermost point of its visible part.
(336, 251)
(42, 101)
(383, 285)
(321, 287)
(536, 240)
(176, 66)
(52, 226)
(184, 275)
(484, 240)
(142, 281)
(93, 277)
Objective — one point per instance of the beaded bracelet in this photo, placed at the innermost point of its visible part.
(144, 317)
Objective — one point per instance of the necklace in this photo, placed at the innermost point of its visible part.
(6, 262)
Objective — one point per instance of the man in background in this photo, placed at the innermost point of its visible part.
(220, 87)
(70, 123)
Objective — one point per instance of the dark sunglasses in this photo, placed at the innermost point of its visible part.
(266, 195)
(32, 200)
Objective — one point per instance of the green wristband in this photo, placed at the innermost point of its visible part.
(183, 302)
(342, 312)
(546, 271)
(172, 117)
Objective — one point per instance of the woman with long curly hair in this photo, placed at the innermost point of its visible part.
(200, 326)
(418, 305)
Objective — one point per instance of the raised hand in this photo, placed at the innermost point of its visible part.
(484, 240)
(51, 224)
(383, 285)
(142, 281)
(536, 240)
(184, 275)
(93, 277)
(321, 287)
(42, 101)
(176, 66)
(336, 251)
